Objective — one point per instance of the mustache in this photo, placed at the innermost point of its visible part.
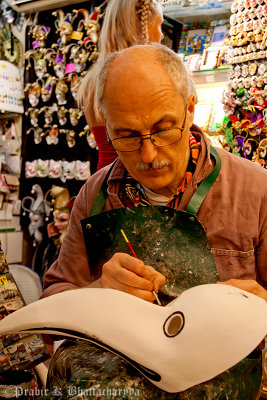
(156, 164)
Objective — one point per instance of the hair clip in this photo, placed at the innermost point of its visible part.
(33, 91)
(55, 169)
(42, 168)
(38, 60)
(39, 34)
(75, 115)
(63, 25)
(61, 90)
(30, 169)
(61, 114)
(47, 88)
(52, 135)
(82, 170)
(34, 113)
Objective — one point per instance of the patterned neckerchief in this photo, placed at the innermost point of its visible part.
(131, 192)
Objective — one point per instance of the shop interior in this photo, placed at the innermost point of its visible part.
(47, 150)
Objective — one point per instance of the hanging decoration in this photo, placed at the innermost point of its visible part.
(245, 99)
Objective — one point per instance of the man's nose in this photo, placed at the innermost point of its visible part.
(148, 151)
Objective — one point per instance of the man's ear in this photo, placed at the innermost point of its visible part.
(191, 109)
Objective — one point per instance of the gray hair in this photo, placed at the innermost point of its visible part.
(169, 60)
(125, 24)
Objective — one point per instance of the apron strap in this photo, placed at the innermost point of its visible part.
(205, 185)
(195, 201)
(101, 195)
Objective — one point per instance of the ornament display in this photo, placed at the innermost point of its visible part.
(245, 98)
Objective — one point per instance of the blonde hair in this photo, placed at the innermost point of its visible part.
(125, 24)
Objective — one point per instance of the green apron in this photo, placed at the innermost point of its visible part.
(175, 244)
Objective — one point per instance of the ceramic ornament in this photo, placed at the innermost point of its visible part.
(200, 334)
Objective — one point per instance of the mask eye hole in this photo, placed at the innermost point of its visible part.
(174, 324)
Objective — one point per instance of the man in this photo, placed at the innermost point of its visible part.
(146, 98)
(143, 94)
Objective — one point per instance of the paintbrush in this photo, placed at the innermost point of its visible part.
(133, 253)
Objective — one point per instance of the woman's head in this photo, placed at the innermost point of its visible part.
(130, 22)
(126, 23)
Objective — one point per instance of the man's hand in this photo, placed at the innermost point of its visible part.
(129, 274)
(249, 285)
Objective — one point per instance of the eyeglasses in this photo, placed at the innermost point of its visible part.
(165, 137)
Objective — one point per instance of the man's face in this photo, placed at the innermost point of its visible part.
(140, 101)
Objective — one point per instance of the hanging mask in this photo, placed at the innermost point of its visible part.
(33, 91)
(90, 23)
(61, 114)
(52, 135)
(37, 134)
(82, 170)
(55, 169)
(75, 83)
(48, 113)
(11, 46)
(75, 115)
(34, 113)
(68, 170)
(39, 62)
(42, 168)
(79, 55)
(30, 169)
(70, 136)
(47, 87)
(63, 26)
(61, 90)
(39, 34)
(262, 149)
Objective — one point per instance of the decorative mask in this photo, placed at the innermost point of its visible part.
(82, 170)
(61, 90)
(30, 169)
(75, 83)
(262, 148)
(199, 319)
(79, 55)
(68, 170)
(48, 113)
(63, 26)
(57, 59)
(90, 23)
(52, 135)
(47, 88)
(75, 115)
(55, 169)
(37, 134)
(42, 168)
(70, 136)
(89, 136)
(11, 46)
(39, 34)
(61, 114)
(37, 212)
(39, 62)
(34, 113)
(33, 90)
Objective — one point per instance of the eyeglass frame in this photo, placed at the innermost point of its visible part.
(148, 134)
